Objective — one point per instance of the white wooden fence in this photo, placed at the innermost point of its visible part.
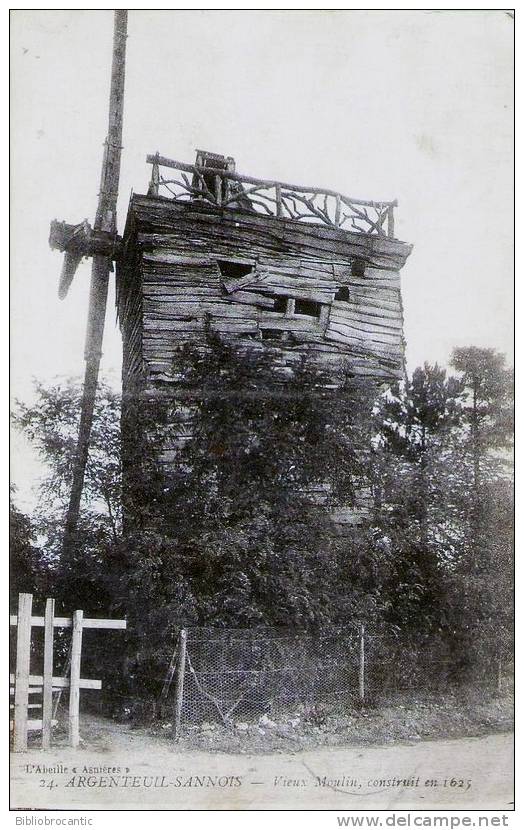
(23, 684)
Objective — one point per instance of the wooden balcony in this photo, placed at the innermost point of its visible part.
(222, 187)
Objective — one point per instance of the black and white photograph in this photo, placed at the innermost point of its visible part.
(261, 497)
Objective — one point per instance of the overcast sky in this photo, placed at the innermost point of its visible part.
(413, 105)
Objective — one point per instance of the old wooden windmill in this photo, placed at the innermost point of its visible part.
(268, 265)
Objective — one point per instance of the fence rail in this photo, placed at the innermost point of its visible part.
(227, 189)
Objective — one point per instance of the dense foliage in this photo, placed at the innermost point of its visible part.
(239, 531)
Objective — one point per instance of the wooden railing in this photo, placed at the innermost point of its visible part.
(287, 201)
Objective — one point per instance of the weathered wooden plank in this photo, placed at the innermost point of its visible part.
(253, 278)
(290, 288)
(74, 686)
(47, 698)
(289, 267)
(252, 297)
(22, 681)
(59, 682)
(355, 317)
(384, 309)
(29, 705)
(295, 323)
(366, 346)
(32, 690)
(153, 309)
(382, 280)
(170, 258)
(363, 335)
(66, 622)
(234, 326)
(374, 293)
(378, 332)
(248, 240)
(171, 291)
(171, 326)
(166, 211)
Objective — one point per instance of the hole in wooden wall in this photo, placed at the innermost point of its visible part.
(342, 293)
(308, 307)
(279, 305)
(234, 270)
(271, 334)
(358, 268)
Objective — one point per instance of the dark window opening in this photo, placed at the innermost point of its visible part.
(271, 334)
(279, 305)
(342, 293)
(358, 268)
(307, 307)
(234, 270)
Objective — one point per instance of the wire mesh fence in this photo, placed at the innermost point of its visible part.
(245, 674)
(233, 675)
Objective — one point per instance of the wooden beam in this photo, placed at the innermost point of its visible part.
(22, 679)
(37, 680)
(47, 696)
(74, 688)
(105, 220)
(66, 622)
(179, 692)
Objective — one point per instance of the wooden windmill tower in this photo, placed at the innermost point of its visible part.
(294, 271)
(298, 270)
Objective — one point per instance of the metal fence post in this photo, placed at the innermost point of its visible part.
(179, 693)
(361, 670)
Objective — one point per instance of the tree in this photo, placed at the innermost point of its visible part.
(238, 530)
(488, 408)
(487, 568)
(50, 422)
(436, 469)
(27, 567)
(417, 479)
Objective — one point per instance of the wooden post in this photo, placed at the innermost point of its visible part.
(361, 677)
(218, 189)
(179, 693)
(105, 220)
(23, 657)
(278, 198)
(391, 221)
(47, 691)
(74, 687)
(337, 210)
(155, 179)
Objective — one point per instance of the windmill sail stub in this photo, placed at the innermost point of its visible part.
(74, 241)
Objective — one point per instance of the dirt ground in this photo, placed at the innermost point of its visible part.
(406, 718)
(389, 758)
